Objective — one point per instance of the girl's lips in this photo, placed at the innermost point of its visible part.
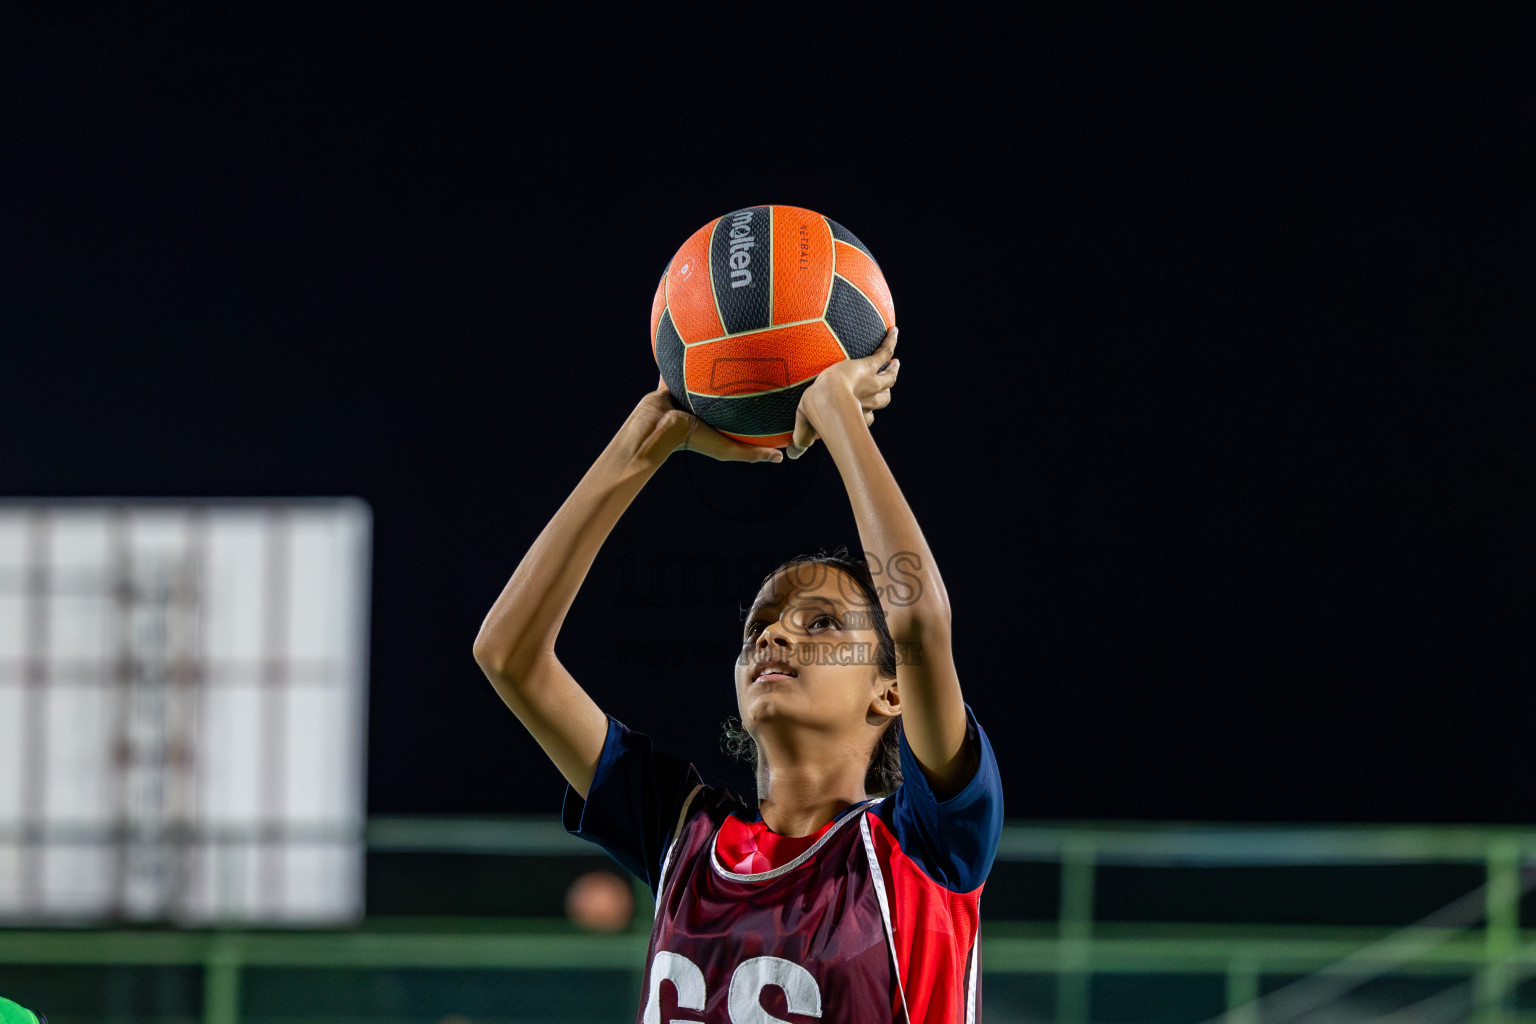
(770, 667)
(773, 677)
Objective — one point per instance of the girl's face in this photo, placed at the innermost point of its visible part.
(809, 653)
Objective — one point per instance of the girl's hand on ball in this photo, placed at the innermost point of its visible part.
(852, 380)
(664, 428)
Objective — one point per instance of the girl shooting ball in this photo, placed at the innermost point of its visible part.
(850, 892)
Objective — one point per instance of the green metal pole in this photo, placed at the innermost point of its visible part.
(1076, 930)
(221, 982)
(1242, 992)
(1501, 933)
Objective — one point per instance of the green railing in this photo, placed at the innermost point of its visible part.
(1473, 949)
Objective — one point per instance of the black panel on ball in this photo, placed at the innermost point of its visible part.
(854, 319)
(669, 356)
(741, 268)
(771, 413)
(842, 234)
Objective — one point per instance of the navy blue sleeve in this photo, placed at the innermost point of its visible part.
(954, 841)
(633, 803)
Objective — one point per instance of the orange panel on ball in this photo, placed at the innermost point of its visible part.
(864, 275)
(689, 295)
(764, 441)
(761, 361)
(802, 264)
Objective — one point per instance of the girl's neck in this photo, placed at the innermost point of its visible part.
(796, 798)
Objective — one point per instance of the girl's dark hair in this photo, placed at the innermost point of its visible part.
(884, 772)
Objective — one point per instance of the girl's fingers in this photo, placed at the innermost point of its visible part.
(735, 451)
(869, 418)
(881, 355)
(705, 440)
(755, 453)
(803, 437)
(878, 400)
(872, 387)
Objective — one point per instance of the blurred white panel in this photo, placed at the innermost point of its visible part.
(77, 541)
(15, 565)
(232, 878)
(234, 585)
(13, 539)
(81, 635)
(318, 730)
(229, 793)
(77, 730)
(322, 883)
(355, 525)
(222, 885)
(10, 877)
(77, 879)
(205, 670)
(159, 532)
(317, 562)
(272, 883)
(236, 885)
(11, 751)
(13, 612)
(196, 893)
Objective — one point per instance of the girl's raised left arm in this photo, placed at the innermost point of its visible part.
(838, 408)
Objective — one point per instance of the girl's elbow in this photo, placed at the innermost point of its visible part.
(940, 613)
(927, 619)
(487, 657)
(494, 658)
(931, 606)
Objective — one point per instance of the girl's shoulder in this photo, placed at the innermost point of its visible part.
(954, 841)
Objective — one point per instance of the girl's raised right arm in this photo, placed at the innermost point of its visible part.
(516, 644)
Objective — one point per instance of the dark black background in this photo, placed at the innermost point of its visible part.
(1212, 341)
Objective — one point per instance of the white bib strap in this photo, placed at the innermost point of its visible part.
(885, 908)
(970, 995)
(677, 837)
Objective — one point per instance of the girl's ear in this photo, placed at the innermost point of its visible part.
(887, 702)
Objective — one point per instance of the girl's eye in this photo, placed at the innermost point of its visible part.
(753, 627)
(829, 620)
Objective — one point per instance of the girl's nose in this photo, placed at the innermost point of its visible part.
(775, 635)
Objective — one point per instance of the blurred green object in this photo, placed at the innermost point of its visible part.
(10, 1013)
